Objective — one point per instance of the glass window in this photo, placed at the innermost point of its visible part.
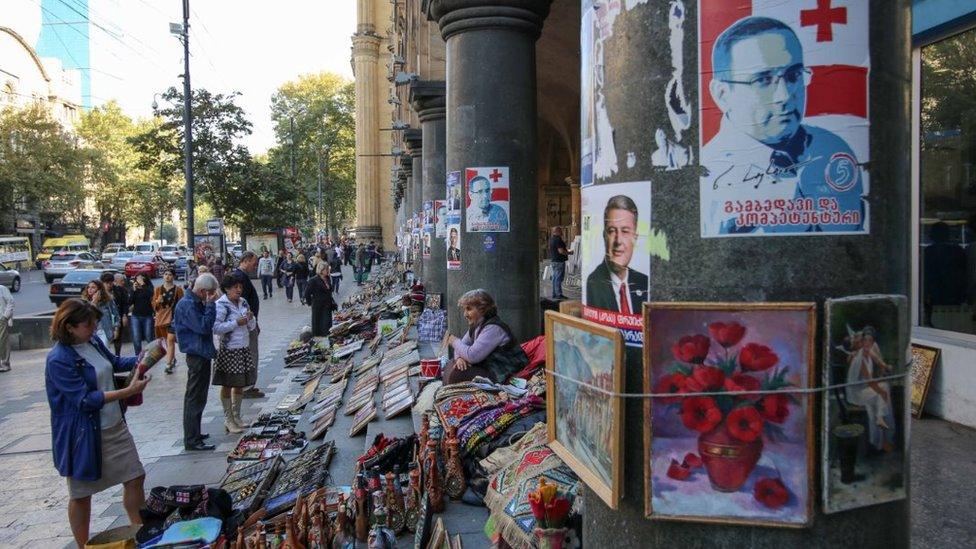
(947, 184)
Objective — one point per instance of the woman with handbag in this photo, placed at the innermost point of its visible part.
(233, 368)
(165, 298)
(91, 443)
(319, 296)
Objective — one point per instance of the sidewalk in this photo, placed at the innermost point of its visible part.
(33, 498)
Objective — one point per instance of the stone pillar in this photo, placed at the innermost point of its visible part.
(752, 268)
(413, 139)
(427, 98)
(491, 121)
(365, 54)
(406, 173)
(574, 198)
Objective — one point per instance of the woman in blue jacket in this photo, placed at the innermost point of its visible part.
(90, 440)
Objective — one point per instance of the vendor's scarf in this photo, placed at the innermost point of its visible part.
(505, 416)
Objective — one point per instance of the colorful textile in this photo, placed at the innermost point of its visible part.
(456, 409)
(511, 413)
(537, 436)
(432, 325)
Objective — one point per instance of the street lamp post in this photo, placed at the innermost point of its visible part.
(183, 32)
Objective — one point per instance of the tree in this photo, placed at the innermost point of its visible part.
(315, 130)
(157, 187)
(42, 168)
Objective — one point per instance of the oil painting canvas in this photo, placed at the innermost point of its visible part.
(864, 434)
(585, 423)
(924, 359)
(724, 453)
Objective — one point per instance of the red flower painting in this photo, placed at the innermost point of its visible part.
(774, 408)
(757, 358)
(771, 492)
(745, 424)
(705, 378)
(700, 414)
(727, 334)
(692, 349)
(671, 383)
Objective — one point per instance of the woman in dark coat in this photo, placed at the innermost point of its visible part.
(318, 294)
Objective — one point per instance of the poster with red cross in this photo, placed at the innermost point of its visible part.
(487, 200)
(785, 119)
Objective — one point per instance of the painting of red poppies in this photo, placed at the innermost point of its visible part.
(730, 438)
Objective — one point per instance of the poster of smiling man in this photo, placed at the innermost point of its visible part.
(487, 205)
(784, 117)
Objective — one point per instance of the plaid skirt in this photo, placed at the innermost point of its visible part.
(234, 368)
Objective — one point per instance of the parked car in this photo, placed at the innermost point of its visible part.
(110, 250)
(237, 251)
(172, 252)
(73, 283)
(120, 259)
(10, 278)
(63, 263)
(146, 248)
(145, 263)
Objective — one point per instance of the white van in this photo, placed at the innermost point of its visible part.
(146, 248)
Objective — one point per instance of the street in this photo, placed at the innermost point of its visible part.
(33, 297)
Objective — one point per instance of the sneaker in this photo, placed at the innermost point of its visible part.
(253, 392)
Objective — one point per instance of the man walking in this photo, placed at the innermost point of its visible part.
(194, 320)
(277, 270)
(247, 263)
(6, 322)
(558, 254)
(266, 268)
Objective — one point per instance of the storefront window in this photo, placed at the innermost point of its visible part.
(947, 183)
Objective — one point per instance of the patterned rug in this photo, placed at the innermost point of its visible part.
(456, 409)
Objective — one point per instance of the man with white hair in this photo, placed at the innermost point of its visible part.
(193, 322)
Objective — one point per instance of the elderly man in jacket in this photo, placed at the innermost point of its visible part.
(193, 322)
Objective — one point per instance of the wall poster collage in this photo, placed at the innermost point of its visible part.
(452, 221)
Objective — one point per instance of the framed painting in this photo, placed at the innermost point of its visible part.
(864, 420)
(722, 454)
(924, 359)
(586, 425)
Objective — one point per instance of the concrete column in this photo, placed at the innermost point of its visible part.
(413, 139)
(427, 98)
(491, 121)
(754, 268)
(406, 173)
(365, 55)
(575, 202)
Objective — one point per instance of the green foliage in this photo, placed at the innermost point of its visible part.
(169, 233)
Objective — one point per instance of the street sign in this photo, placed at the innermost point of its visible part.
(215, 226)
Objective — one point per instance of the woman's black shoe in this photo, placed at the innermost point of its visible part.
(199, 447)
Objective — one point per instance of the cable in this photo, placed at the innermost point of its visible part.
(108, 32)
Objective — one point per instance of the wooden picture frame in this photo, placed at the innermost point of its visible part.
(924, 361)
(802, 313)
(606, 345)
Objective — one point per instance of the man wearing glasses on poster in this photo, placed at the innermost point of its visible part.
(763, 152)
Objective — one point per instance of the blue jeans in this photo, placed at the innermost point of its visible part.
(266, 285)
(558, 274)
(142, 330)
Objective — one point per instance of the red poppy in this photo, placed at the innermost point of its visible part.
(745, 423)
(700, 414)
(678, 471)
(692, 349)
(692, 460)
(705, 378)
(771, 492)
(741, 382)
(774, 407)
(556, 512)
(671, 383)
(756, 358)
(727, 334)
(537, 505)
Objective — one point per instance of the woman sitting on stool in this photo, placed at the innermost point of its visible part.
(488, 349)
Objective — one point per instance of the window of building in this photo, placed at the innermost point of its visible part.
(947, 185)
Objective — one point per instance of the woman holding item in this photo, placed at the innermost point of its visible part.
(142, 311)
(96, 294)
(488, 349)
(233, 369)
(287, 269)
(165, 298)
(319, 296)
(91, 443)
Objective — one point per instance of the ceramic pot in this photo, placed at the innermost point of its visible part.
(728, 461)
(550, 538)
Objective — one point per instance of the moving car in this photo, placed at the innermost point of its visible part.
(120, 259)
(145, 263)
(74, 283)
(110, 250)
(62, 263)
(172, 252)
(146, 248)
(10, 278)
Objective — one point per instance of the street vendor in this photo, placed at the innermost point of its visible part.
(489, 348)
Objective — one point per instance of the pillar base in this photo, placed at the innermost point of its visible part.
(369, 232)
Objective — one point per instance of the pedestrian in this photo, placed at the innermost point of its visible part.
(165, 298)
(301, 276)
(233, 369)
(288, 275)
(123, 302)
(335, 272)
(379, 253)
(90, 440)
(319, 296)
(191, 274)
(218, 269)
(558, 254)
(194, 325)
(278, 273)
(361, 261)
(247, 263)
(6, 322)
(96, 294)
(349, 253)
(266, 270)
(142, 311)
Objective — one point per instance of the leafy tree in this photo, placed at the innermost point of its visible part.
(157, 189)
(315, 130)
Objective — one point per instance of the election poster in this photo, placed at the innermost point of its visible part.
(428, 215)
(440, 218)
(454, 192)
(784, 114)
(487, 202)
(615, 252)
(454, 244)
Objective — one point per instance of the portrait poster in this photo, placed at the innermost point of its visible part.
(585, 425)
(440, 218)
(428, 237)
(206, 248)
(487, 200)
(616, 257)
(415, 241)
(736, 458)
(427, 215)
(784, 95)
(453, 243)
(924, 360)
(864, 434)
